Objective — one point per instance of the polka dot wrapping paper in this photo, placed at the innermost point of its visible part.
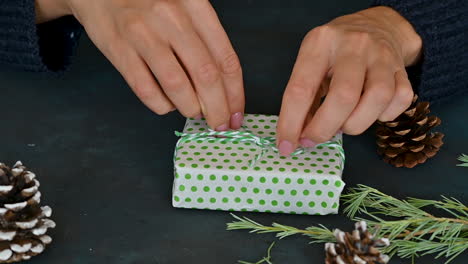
(215, 174)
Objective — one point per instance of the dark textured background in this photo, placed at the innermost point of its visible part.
(105, 161)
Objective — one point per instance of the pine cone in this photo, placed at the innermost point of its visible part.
(358, 247)
(23, 222)
(406, 141)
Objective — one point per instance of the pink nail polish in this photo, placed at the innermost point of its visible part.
(305, 142)
(199, 116)
(222, 127)
(285, 148)
(236, 120)
(340, 131)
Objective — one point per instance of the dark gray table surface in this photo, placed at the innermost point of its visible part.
(105, 161)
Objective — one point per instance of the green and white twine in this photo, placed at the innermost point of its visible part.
(265, 143)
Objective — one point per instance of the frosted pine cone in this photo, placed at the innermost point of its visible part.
(23, 222)
(358, 247)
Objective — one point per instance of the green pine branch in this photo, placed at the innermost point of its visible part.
(318, 234)
(413, 232)
(463, 158)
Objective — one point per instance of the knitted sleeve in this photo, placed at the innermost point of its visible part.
(443, 27)
(24, 45)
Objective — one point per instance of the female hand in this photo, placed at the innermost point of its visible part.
(358, 61)
(174, 54)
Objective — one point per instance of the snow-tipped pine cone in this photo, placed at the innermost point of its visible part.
(23, 222)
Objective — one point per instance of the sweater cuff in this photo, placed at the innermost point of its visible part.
(41, 48)
(443, 68)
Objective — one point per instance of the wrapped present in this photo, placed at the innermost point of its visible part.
(242, 170)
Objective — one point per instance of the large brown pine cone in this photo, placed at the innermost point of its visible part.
(358, 247)
(407, 141)
(23, 222)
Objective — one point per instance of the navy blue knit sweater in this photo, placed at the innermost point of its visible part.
(442, 25)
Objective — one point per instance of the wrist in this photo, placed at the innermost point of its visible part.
(408, 39)
(47, 10)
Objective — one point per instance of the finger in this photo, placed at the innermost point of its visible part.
(344, 93)
(305, 142)
(171, 75)
(379, 89)
(205, 76)
(138, 76)
(213, 35)
(309, 70)
(402, 99)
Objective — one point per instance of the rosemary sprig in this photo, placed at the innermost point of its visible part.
(463, 158)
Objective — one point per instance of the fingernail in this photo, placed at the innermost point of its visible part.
(199, 116)
(340, 131)
(236, 120)
(305, 142)
(222, 127)
(285, 148)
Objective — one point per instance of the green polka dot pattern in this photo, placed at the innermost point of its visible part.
(215, 174)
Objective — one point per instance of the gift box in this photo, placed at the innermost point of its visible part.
(243, 171)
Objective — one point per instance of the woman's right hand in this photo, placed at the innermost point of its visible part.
(174, 54)
(358, 61)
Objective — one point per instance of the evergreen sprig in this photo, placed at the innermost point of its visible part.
(318, 234)
(412, 231)
(463, 158)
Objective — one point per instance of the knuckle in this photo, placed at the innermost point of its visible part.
(318, 32)
(208, 73)
(310, 37)
(384, 94)
(142, 91)
(359, 40)
(172, 80)
(171, 11)
(135, 25)
(198, 2)
(382, 44)
(166, 7)
(231, 64)
(347, 96)
(385, 51)
(299, 89)
(404, 96)
(359, 37)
